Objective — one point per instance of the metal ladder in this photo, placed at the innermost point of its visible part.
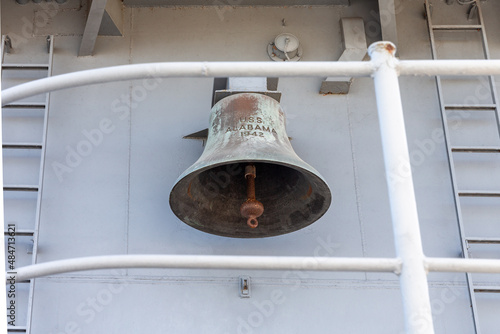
(466, 240)
(21, 109)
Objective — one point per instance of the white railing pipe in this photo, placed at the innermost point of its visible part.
(243, 69)
(249, 262)
(413, 277)
(448, 67)
(207, 262)
(487, 266)
(185, 69)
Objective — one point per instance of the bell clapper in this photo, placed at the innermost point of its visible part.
(251, 208)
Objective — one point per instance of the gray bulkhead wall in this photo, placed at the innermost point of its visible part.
(113, 199)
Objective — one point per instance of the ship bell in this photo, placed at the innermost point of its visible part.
(249, 182)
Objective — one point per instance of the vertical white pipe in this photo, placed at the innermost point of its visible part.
(3, 295)
(413, 277)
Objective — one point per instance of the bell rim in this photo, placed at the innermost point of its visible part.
(310, 172)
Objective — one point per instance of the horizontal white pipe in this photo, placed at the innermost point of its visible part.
(463, 265)
(448, 67)
(186, 69)
(244, 69)
(207, 262)
(249, 262)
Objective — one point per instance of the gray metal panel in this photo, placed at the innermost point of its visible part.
(103, 306)
(21, 166)
(367, 168)
(22, 125)
(86, 173)
(488, 305)
(20, 208)
(211, 308)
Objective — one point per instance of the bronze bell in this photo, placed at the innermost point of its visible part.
(249, 182)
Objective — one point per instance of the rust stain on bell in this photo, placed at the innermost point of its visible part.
(309, 193)
(249, 182)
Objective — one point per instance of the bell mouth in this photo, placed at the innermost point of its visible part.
(209, 199)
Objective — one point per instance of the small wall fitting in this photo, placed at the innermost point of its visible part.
(285, 47)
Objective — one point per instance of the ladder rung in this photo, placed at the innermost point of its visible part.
(17, 282)
(21, 233)
(470, 107)
(26, 105)
(476, 149)
(494, 289)
(479, 193)
(25, 66)
(16, 329)
(479, 240)
(457, 27)
(22, 145)
(20, 188)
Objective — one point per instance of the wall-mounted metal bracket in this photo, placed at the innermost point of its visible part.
(472, 12)
(220, 94)
(29, 250)
(265, 86)
(244, 282)
(105, 17)
(353, 32)
(200, 135)
(49, 41)
(7, 44)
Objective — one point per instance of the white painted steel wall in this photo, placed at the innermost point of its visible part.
(115, 200)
